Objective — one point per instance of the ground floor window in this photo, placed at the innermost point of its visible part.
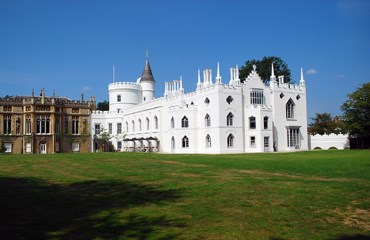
(185, 142)
(76, 147)
(230, 141)
(293, 137)
(266, 143)
(8, 147)
(208, 141)
(28, 148)
(173, 143)
(253, 141)
(119, 145)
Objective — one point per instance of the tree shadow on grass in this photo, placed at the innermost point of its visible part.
(34, 209)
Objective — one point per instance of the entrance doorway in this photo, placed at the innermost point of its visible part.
(43, 148)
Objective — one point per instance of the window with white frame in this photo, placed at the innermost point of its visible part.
(119, 128)
(230, 119)
(97, 128)
(147, 124)
(28, 125)
(139, 124)
(28, 147)
(207, 120)
(75, 146)
(185, 142)
(230, 140)
(293, 137)
(8, 147)
(290, 109)
(265, 122)
(172, 122)
(119, 145)
(118, 98)
(126, 126)
(184, 122)
(7, 124)
(256, 96)
(229, 99)
(42, 124)
(252, 122)
(208, 141)
(75, 125)
(133, 125)
(253, 141)
(266, 142)
(110, 128)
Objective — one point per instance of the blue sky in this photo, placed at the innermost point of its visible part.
(70, 45)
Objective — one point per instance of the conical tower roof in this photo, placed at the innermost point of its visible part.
(147, 73)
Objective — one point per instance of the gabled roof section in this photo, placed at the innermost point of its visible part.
(147, 73)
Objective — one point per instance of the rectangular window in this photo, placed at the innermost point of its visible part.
(8, 147)
(7, 124)
(266, 143)
(28, 147)
(42, 124)
(75, 125)
(28, 125)
(256, 96)
(119, 145)
(253, 141)
(76, 147)
(293, 137)
(252, 123)
(119, 128)
(265, 123)
(110, 128)
(97, 129)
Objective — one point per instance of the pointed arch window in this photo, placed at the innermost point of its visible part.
(184, 122)
(75, 123)
(230, 119)
(172, 122)
(126, 126)
(206, 101)
(147, 124)
(139, 124)
(290, 109)
(156, 122)
(133, 125)
(207, 120)
(265, 122)
(208, 141)
(185, 142)
(230, 140)
(173, 143)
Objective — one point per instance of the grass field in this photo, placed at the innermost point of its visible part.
(301, 195)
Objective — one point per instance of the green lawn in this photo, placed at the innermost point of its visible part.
(302, 195)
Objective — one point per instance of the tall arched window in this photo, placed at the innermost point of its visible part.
(172, 122)
(230, 140)
(230, 119)
(208, 141)
(156, 122)
(173, 143)
(207, 121)
(185, 142)
(290, 109)
(139, 124)
(147, 124)
(252, 122)
(265, 122)
(126, 126)
(133, 125)
(184, 122)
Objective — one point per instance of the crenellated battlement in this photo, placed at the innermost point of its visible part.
(124, 85)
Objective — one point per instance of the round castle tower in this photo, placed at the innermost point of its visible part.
(123, 95)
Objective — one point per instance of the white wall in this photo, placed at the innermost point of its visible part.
(339, 141)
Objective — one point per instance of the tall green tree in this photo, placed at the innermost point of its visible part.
(264, 68)
(103, 106)
(357, 114)
(321, 124)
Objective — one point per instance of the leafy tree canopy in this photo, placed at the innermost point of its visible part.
(264, 68)
(323, 123)
(357, 112)
(103, 106)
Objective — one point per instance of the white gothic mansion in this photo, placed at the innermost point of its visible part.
(217, 117)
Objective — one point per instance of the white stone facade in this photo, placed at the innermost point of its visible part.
(327, 141)
(217, 117)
